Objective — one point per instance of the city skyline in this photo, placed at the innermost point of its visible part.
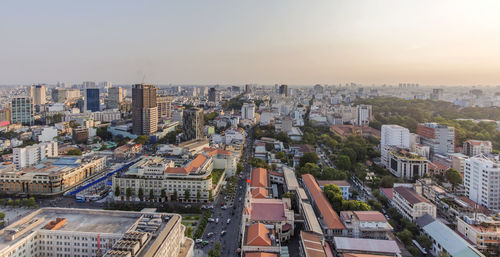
(285, 42)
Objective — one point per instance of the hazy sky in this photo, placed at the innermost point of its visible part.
(268, 41)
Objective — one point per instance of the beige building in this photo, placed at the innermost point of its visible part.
(144, 110)
(164, 107)
(157, 174)
(59, 232)
(366, 224)
(481, 231)
(411, 205)
(51, 176)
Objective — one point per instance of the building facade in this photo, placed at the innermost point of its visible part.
(164, 107)
(144, 110)
(411, 205)
(115, 97)
(482, 180)
(33, 154)
(37, 92)
(22, 110)
(395, 135)
(192, 124)
(440, 138)
(404, 164)
(92, 99)
(475, 147)
(363, 114)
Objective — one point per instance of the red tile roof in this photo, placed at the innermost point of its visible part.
(192, 166)
(388, 192)
(334, 182)
(260, 254)
(259, 177)
(257, 235)
(374, 216)
(330, 217)
(410, 195)
(259, 192)
(267, 210)
(214, 151)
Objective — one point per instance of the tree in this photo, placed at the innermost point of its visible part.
(117, 190)
(142, 139)
(128, 193)
(140, 194)
(163, 194)
(310, 157)
(343, 162)
(189, 231)
(453, 176)
(210, 196)
(73, 124)
(31, 201)
(2, 215)
(281, 156)
(274, 166)
(424, 241)
(239, 168)
(198, 195)
(413, 250)
(405, 236)
(74, 152)
(443, 254)
(350, 153)
(186, 195)
(174, 196)
(269, 147)
(151, 194)
(387, 181)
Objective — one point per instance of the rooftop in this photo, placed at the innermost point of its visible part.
(259, 178)
(258, 235)
(366, 245)
(267, 210)
(339, 183)
(410, 195)
(313, 244)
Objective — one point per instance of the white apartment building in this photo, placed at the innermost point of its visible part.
(363, 114)
(33, 154)
(412, 205)
(248, 111)
(106, 116)
(482, 180)
(64, 232)
(395, 135)
(440, 138)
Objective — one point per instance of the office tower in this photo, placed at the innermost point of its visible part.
(283, 90)
(248, 111)
(363, 114)
(475, 147)
(105, 85)
(437, 94)
(33, 154)
(37, 92)
(395, 135)
(88, 84)
(164, 107)
(115, 97)
(248, 89)
(235, 88)
(60, 95)
(212, 94)
(144, 109)
(192, 123)
(22, 110)
(439, 138)
(482, 180)
(80, 135)
(92, 99)
(5, 115)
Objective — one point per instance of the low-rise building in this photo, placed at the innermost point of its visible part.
(51, 175)
(483, 231)
(366, 224)
(444, 239)
(85, 233)
(313, 245)
(475, 147)
(404, 164)
(410, 204)
(126, 151)
(347, 247)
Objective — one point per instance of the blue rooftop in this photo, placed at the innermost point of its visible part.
(67, 161)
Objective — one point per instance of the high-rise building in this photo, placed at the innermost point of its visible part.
(37, 92)
(33, 154)
(283, 90)
(92, 99)
(212, 94)
(164, 107)
(475, 147)
(60, 95)
(193, 123)
(439, 138)
(115, 97)
(248, 111)
(22, 110)
(144, 109)
(395, 135)
(482, 180)
(248, 89)
(88, 84)
(363, 114)
(437, 94)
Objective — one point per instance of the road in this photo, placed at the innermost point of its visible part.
(231, 240)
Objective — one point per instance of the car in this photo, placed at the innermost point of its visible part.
(239, 199)
(228, 220)
(211, 220)
(223, 207)
(217, 220)
(198, 240)
(223, 232)
(203, 207)
(210, 234)
(204, 243)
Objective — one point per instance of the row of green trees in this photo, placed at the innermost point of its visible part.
(334, 196)
(202, 224)
(24, 202)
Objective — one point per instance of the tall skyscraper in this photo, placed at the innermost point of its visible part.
(144, 109)
(248, 89)
(92, 99)
(22, 110)
(164, 107)
(363, 114)
(37, 92)
(192, 123)
(115, 97)
(212, 94)
(284, 90)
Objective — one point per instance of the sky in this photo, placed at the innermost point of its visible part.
(445, 42)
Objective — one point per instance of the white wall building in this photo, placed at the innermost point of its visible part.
(395, 135)
(482, 180)
(363, 114)
(31, 155)
(248, 111)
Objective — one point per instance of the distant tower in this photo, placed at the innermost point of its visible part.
(144, 109)
(192, 123)
(22, 110)
(92, 99)
(212, 94)
(37, 92)
(284, 90)
(115, 97)
(248, 89)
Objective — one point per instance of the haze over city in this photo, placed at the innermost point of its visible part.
(226, 42)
